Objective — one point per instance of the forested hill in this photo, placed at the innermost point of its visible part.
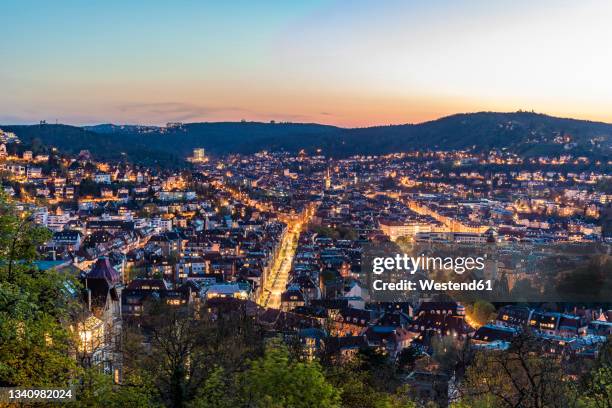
(525, 133)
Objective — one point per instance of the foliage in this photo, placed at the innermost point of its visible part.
(34, 345)
(215, 392)
(369, 380)
(276, 381)
(88, 187)
(404, 242)
(407, 358)
(399, 399)
(485, 401)
(520, 376)
(34, 351)
(186, 355)
(599, 389)
(481, 311)
(96, 389)
(334, 233)
(446, 352)
(595, 390)
(586, 283)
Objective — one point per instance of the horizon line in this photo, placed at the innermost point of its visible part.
(273, 121)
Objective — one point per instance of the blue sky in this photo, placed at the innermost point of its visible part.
(351, 63)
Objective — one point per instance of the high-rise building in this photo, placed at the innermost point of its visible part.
(199, 155)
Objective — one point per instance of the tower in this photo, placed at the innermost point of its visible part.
(327, 180)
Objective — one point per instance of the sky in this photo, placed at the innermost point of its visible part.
(348, 63)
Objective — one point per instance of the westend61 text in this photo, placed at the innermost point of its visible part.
(429, 284)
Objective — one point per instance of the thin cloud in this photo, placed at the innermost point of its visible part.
(175, 111)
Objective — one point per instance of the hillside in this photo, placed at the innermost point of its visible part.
(111, 146)
(525, 133)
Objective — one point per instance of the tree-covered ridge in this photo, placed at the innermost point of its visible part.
(524, 133)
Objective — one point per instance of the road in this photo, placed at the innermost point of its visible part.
(279, 274)
(278, 277)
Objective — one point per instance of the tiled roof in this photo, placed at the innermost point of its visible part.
(102, 269)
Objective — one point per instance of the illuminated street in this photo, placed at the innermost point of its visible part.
(279, 275)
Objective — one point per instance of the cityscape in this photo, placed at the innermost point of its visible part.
(280, 237)
(306, 204)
